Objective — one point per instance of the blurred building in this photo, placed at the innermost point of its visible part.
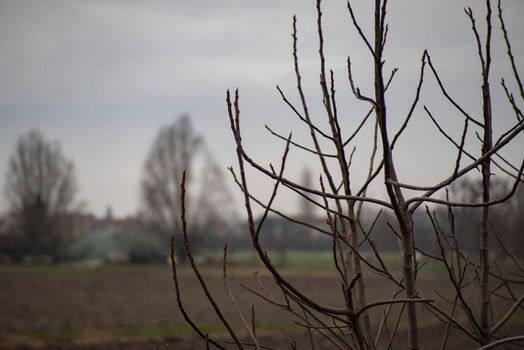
(82, 223)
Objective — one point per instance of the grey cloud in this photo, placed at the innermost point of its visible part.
(100, 65)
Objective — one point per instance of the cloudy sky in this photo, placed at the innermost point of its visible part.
(102, 77)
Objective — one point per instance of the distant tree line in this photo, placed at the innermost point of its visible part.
(41, 190)
(42, 194)
(279, 234)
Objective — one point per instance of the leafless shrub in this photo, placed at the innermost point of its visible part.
(476, 281)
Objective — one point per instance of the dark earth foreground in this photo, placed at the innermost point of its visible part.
(135, 308)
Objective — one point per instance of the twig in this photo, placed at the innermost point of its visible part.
(203, 284)
(179, 300)
(249, 330)
(502, 341)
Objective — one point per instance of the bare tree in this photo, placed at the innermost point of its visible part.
(342, 200)
(41, 189)
(178, 148)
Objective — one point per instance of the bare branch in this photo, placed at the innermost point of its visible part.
(507, 316)
(306, 119)
(359, 29)
(516, 74)
(234, 117)
(300, 146)
(448, 97)
(180, 303)
(249, 330)
(502, 341)
(356, 90)
(203, 284)
(391, 301)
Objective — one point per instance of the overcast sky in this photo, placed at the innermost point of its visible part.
(102, 77)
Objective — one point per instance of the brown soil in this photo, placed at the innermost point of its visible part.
(135, 308)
